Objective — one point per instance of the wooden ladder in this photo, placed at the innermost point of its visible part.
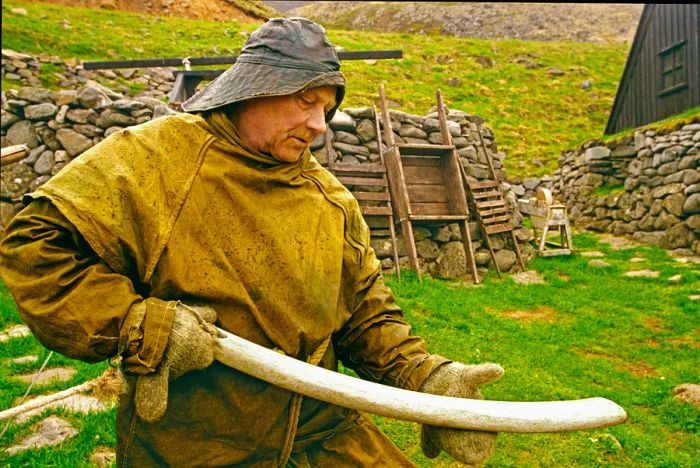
(369, 184)
(426, 186)
(491, 209)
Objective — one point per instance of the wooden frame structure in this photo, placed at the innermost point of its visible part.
(369, 184)
(426, 185)
(491, 209)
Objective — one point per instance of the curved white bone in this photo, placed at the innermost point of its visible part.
(459, 413)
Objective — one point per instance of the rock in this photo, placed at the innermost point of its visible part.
(50, 431)
(642, 274)
(598, 263)
(427, 249)
(382, 247)
(342, 121)
(111, 118)
(66, 98)
(44, 111)
(73, 142)
(44, 163)
(82, 116)
(103, 458)
(351, 149)
(15, 331)
(596, 153)
(586, 84)
(451, 262)
(505, 259)
(442, 234)
(35, 95)
(555, 71)
(366, 130)
(22, 133)
(675, 278)
(77, 403)
(345, 137)
(688, 393)
(482, 257)
(150, 102)
(93, 97)
(528, 277)
(692, 204)
(162, 110)
(680, 236)
(48, 376)
(25, 359)
(8, 119)
(411, 131)
(593, 254)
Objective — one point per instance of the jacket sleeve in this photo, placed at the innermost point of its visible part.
(72, 301)
(376, 341)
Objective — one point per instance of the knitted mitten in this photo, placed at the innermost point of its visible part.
(190, 347)
(457, 380)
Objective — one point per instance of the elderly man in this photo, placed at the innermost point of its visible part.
(222, 215)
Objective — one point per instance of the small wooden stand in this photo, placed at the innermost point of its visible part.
(545, 214)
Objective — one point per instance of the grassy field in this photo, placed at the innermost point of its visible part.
(535, 115)
(588, 331)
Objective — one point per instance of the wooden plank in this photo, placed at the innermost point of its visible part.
(371, 168)
(229, 60)
(427, 193)
(495, 220)
(423, 175)
(498, 228)
(488, 194)
(484, 184)
(495, 211)
(439, 217)
(490, 204)
(423, 150)
(433, 209)
(376, 210)
(421, 161)
(370, 196)
(362, 181)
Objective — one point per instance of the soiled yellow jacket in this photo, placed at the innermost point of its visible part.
(178, 209)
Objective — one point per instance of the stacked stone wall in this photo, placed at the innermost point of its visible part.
(646, 185)
(59, 126)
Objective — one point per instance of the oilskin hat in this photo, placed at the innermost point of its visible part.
(284, 56)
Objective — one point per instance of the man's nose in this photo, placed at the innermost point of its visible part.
(317, 122)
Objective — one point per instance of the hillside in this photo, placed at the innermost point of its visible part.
(581, 22)
(539, 97)
(216, 10)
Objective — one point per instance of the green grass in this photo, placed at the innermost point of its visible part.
(593, 332)
(534, 115)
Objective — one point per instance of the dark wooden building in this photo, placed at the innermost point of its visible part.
(662, 74)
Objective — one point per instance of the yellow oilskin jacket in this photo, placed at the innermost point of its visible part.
(179, 209)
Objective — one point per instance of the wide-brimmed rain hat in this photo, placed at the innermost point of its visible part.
(283, 56)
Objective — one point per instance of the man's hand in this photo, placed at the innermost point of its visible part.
(458, 380)
(190, 347)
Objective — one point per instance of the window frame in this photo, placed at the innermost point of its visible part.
(673, 67)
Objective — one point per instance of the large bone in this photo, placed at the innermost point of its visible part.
(459, 413)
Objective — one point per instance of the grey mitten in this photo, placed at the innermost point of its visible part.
(457, 380)
(190, 347)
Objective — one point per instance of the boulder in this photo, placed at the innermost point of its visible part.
(73, 142)
(451, 262)
(22, 133)
(43, 111)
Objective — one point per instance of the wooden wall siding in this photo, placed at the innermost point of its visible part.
(638, 101)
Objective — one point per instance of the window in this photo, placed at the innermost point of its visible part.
(673, 69)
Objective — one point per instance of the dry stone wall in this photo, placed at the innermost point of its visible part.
(59, 126)
(647, 186)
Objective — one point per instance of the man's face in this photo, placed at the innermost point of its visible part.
(284, 126)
